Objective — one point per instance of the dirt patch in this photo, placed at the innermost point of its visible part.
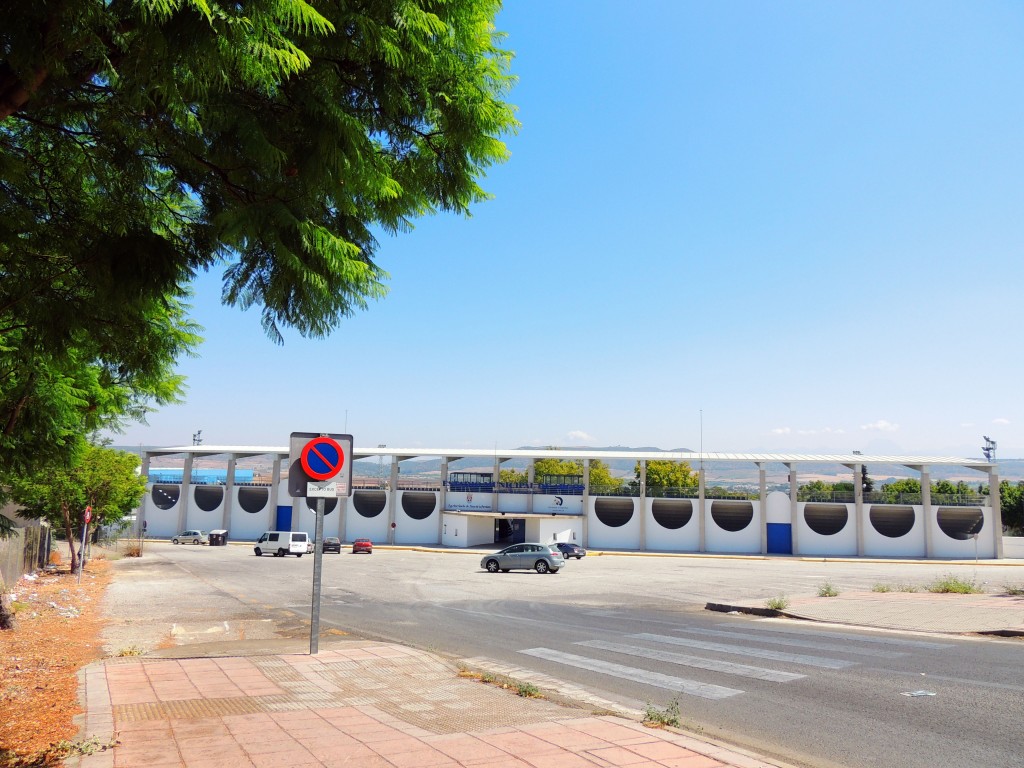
(59, 621)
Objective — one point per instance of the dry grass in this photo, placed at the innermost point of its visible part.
(58, 632)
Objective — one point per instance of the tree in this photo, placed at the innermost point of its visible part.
(896, 488)
(867, 484)
(668, 474)
(512, 477)
(815, 490)
(1011, 505)
(142, 142)
(600, 473)
(103, 478)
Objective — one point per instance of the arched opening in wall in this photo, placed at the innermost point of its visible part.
(960, 522)
(418, 506)
(253, 500)
(613, 512)
(369, 503)
(165, 496)
(672, 513)
(892, 521)
(209, 497)
(826, 519)
(329, 505)
(732, 516)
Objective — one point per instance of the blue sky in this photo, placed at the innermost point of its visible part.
(801, 220)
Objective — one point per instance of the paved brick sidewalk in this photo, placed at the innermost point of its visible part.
(363, 704)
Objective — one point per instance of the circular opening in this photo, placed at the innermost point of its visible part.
(672, 514)
(329, 505)
(165, 496)
(613, 512)
(369, 503)
(732, 516)
(418, 506)
(253, 500)
(208, 498)
(960, 522)
(892, 521)
(826, 519)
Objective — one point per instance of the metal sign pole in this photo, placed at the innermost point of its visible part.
(318, 562)
(81, 552)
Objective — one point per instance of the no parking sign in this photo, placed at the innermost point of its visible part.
(319, 465)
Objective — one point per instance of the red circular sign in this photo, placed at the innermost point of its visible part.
(88, 514)
(322, 458)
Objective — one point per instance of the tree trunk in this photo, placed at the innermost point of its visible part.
(7, 620)
(69, 531)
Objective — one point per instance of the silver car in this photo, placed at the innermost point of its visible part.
(196, 537)
(531, 557)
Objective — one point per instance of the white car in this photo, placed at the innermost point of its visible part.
(191, 537)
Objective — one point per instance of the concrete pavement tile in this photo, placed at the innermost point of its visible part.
(425, 756)
(276, 761)
(465, 748)
(563, 760)
(520, 743)
(563, 736)
(366, 761)
(395, 746)
(617, 756)
(696, 761)
(661, 750)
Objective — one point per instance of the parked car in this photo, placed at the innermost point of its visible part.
(191, 537)
(332, 544)
(542, 558)
(362, 545)
(281, 543)
(569, 549)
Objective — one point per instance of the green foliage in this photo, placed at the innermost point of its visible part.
(881, 588)
(907, 485)
(600, 473)
(663, 717)
(668, 474)
(1011, 506)
(815, 490)
(105, 479)
(779, 603)
(144, 142)
(826, 589)
(512, 477)
(950, 584)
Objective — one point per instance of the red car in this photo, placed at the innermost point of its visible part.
(362, 545)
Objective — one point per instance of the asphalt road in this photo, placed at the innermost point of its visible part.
(633, 630)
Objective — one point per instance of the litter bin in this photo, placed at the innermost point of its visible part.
(218, 538)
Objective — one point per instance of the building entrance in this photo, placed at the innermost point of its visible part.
(511, 530)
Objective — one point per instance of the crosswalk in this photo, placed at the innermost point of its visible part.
(787, 655)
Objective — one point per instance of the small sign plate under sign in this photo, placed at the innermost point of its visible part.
(324, 490)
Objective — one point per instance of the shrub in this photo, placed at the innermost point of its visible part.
(133, 549)
(659, 718)
(881, 588)
(950, 584)
(827, 590)
(779, 603)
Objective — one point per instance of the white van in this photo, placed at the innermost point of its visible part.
(281, 543)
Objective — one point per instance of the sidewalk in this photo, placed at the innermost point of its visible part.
(906, 611)
(360, 704)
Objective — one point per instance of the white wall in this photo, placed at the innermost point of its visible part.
(545, 503)
(468, 502)
(945, 547)
(510, 502)
(248, 526)
(909, 545)
(601, 536)
(841, 544)
(551, 529)
(745, 541)
(307, 516)
(1013, 547)
(410, 531)
(160, 523)
(467, 530)
(373, 528)
(685, 539)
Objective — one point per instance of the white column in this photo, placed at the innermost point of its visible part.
(794, 516)
(140, 513)
(442, 499)
(762, 484)
(997, 513)
(186, 483)
(858, 506)
(642, 504)
(497, 479)
(275, 482)
(586, 503)
(700, 510)
(531, 475)
(229, 491)
(393, 499)
(926, 511)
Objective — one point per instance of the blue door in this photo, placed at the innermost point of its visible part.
(780, 539)
(284, 518)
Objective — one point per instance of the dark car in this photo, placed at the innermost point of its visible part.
(332, 544)
(362, 545)
(571, 550)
